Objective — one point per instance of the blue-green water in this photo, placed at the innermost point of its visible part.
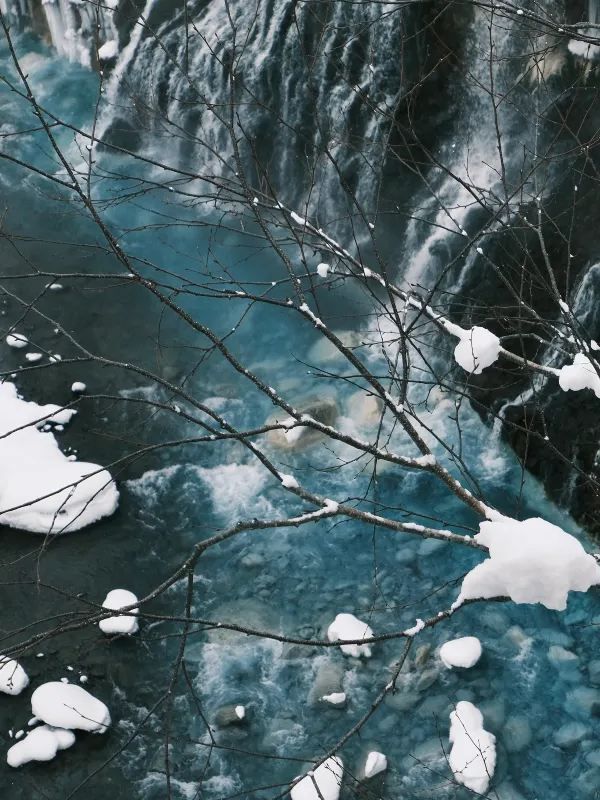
(292, 580)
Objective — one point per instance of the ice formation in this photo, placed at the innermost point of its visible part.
(40, 489)
(115, 600)
(473, 755)
(464, 652)
(347, 626)
(477, 349)
(66, 705)
(531, 561)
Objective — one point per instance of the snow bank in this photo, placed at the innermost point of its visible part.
(473, 755)
(579, 375)
(327, 777)
(376, 763)
(108, 51)
(115, 600)
(65, 705)
(531, 561)
(464, 652)
(36, 479)
(41, 744)
(478, 348)
(13, 678)
(17, 340)
(347, 626)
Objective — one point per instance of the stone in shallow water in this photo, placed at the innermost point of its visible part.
(594, 671)
(230, 715)
(516, 733)
(593, 758)
(585, 699)
(569, 734)
(329, 678)
(560, 655)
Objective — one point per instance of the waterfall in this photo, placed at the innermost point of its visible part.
(75, 28)
(314, 84)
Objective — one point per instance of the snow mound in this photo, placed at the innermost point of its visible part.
(376, 763)
(464, 652)
(65, 705)
(347, 626)
(40, 489)
(328, 779)
(13, 678)
(17, 340)
(579, 375)
(115, 600)
(531, 561)
(41, 744)
(473, 755)
(478, 348)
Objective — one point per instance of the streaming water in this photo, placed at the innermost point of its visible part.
(536, 684)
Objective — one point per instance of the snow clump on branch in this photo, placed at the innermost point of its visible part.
(477, 349)
(581, 374)
(531, 561)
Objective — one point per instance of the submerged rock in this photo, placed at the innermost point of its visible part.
(569, 734)
(328, 681)
(323, 410)
(230, 715)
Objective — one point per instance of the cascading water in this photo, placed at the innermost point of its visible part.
(538, 667)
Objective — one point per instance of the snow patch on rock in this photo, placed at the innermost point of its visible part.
(478, 348)
(13, 678)
(473, 755)
(464, 652)
(328, 780)
(40, 489)
(579, 375)
(41, 744)
(347, 626)
(116, 600)
(376, 763)
(66, 705)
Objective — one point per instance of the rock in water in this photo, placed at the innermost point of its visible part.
(230, 715)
